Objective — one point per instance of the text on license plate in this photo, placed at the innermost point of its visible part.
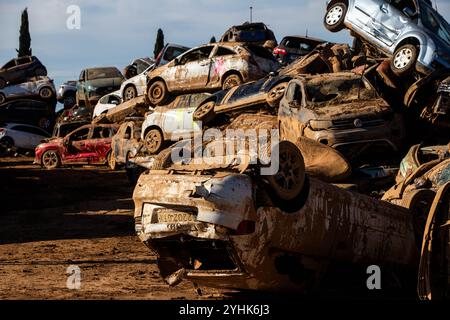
(168, 215)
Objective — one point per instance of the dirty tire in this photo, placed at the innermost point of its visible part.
(163, 160)
(403, 61)
(69, 101)
(154, 141)
(288, 183)
(7, 142)
(2, 83)
(205, 112)
(129, 93)
(335, 16)
(45, 93)
(232, 80)
(275, 94)
(111, 161)
(40, 72)
(157, 93)
(51, 159)
(2, 98)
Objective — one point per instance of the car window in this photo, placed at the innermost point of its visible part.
(9, 64)
(102, 133)
(197, 54)
(103, 73)
(79, 135)
(173, 52)
(113, 99)
(435, 23)
(31, 130)
(23, 60)
(104, 100)
(222, 51)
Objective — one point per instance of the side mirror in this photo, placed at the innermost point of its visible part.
(409, 12)
(66, 141)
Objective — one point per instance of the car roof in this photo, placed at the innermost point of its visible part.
(304, 38)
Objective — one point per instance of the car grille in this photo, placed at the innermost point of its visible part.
(359, 122)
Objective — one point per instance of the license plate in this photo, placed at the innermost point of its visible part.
(170, 216)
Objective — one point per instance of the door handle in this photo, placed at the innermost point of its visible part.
(384, 9)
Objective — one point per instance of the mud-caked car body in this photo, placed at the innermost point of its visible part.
(341, 110)
(126, 143)
(226, 227)
(412, 32)
(267, 91)
(87, 145)
(209, 68)
(38, 87)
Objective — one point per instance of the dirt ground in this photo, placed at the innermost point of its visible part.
(50, 220)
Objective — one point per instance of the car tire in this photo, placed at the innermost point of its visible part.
(51, 160)
(335, 16)
(232, 80)
(275, 94)
(287, 184)
(111, 161)
(157, 93)
(69, 101)
(7, 142)
(40, 72)
(2, 83)
(45, 93)
(154, 141)
(129, 93)
(2, 98)
(205, 112)
(404, 60)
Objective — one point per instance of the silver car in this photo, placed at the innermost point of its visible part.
(410, 31)
(42, 87)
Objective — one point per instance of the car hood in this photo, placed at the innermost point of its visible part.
(352, 109)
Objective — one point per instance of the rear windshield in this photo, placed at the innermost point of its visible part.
(323, 92)
(103, 73)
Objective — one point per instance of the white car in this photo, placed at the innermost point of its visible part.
(171, 122)
(42, 87)
(136, 86)
(107, 102)
(22, 136)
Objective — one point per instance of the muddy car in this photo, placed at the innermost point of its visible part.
(267, 91)
(39, 87)
(343, 111)
(209, 68)
(126, 143)
(29, 111)
(230, 227)
(94, 83)
(293, 47)
(67, 94)
(415, 35)
(20, 69)
(171, 122)
(88, 145)
(257, 33)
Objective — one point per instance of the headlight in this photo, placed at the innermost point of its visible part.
(320, 125)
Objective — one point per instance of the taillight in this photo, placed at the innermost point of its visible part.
(2, 130)
(279, 51)
(245, 227)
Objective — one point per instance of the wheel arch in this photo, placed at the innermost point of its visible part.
(229, 73)
(154, 126)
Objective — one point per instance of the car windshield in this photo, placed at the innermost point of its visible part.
(435, 23)
(322, 92)
(102, 73)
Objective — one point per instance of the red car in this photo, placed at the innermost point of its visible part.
(89, 144)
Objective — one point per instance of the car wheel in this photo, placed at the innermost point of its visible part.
(45, 93)
(129, 93)
(2, 98)
(154, 141)
(7, 142)
(39, 71)
(69, 101)
(205, 112)
(404, 60)
(51, 160)
(2, 83)
(335, 16)
(111, 160)
(233, 80)
(276, 94)
(157, 93)
(288, 182)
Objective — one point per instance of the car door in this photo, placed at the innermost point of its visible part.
(22, 137)
(289, 112)
(219, 65)
(364, 14)
(76, 148)
(99, 144)
(173, 117)
(191, 70)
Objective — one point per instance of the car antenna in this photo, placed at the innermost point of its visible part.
(306, 33)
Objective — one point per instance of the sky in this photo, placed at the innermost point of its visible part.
(114, 32)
